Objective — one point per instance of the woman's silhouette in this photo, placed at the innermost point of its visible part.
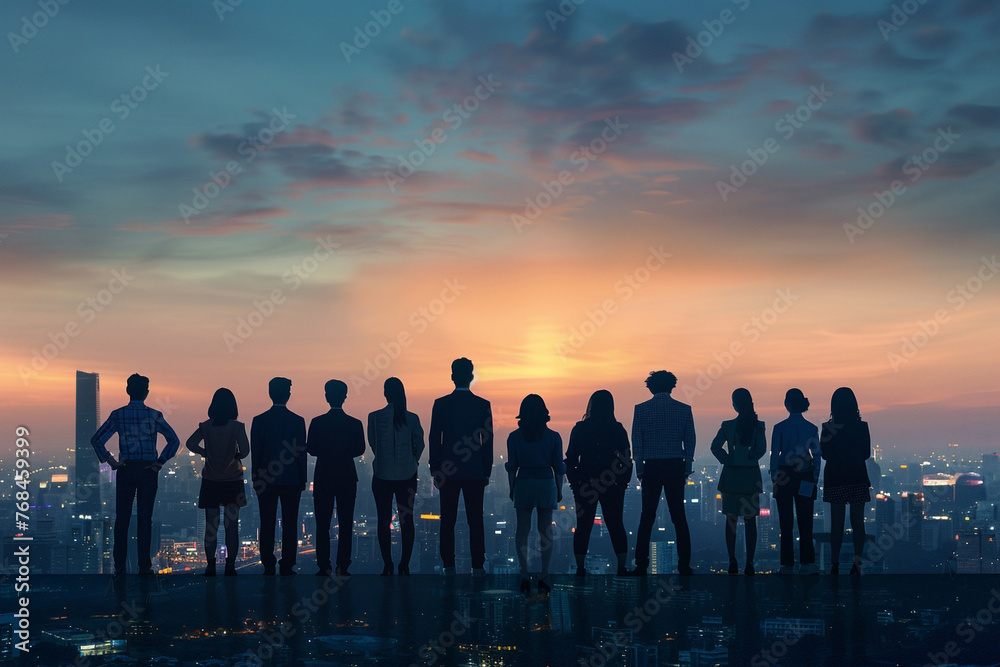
(740, 482)
(222, 477)
(534, 469)
(599, 468)
(397, 440)
(846, 444)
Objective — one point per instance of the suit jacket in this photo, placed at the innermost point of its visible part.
(740, 461)
(396, 450)
(335, 439)
(278, 449)
(662, 428)
(846, 448)
(461, 437)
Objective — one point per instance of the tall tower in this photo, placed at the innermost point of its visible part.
(87, 478)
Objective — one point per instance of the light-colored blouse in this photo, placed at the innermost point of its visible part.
(224, 446)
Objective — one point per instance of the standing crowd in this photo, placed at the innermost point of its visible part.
(598, 464)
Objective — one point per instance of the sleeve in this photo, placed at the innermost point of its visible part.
(826, 450)
(312, 446)
(512, 462)
(558, 465)
(417, 438)
(637, 442)
(194, 442)
(255, 448)
(486, 446)
(689, 441)
(357, 439)
(816, 452)
(776, 442)
(372, 433)
(759, 443)
(242, 444)
(717, 450)
(573, 455)
(173, 442)
(434, 438)
(865, 442)
(300, 447)
(103, 434)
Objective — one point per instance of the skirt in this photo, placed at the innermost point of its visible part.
(531, 493)
(215, 493)
(741, 504)
(847, 494)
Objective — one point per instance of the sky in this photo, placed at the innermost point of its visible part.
(748, 194)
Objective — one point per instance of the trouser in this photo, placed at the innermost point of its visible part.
(612, 506)
(472, 490)
(268, 499)
(664, 476)
(134, 482)
(789, 501)
(325, 497)
(405, 491)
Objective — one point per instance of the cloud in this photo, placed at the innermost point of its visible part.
(892, 128)
(980, 115)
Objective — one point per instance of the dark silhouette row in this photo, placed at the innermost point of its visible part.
(599, 464)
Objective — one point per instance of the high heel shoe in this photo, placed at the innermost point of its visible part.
(525, 585)
(387, 570)
(748, 570)
(734, 567)
(404, 570)
(543, 587)
(210, 568)
(855, 570)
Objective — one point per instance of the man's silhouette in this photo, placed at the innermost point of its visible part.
(137, 471)
(461, 459)
(335, 439)
(663, 447)
(278, 450)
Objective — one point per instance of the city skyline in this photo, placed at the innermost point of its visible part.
(569, 195)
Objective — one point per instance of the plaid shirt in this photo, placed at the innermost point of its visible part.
(663, 428)
(136, 426)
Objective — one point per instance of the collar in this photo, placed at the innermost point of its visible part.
(136, 403)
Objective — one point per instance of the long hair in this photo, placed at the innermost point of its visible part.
(746, 421)
(532, 417)
(396, 396)
(600, 407)
(223, 407)
(844, 406)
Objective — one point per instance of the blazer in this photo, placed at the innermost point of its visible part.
(224, 446)
(740, 467)
(596, 447)
(396, 450)
(845, 449)
(278, 449)
(795, 442)
(461, 437)
(335, 439)
(663, 428)
(539, 459)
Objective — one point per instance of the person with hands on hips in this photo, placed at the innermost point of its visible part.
(136, 472)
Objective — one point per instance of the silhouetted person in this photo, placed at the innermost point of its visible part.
(137, 471)
(846, 444)
(278, 448)
(335, 439)
(663, 448)
(226, 445)
(739, 445)
(795, 465)
(599, 468)
(397, 440)
(460, 448)
(535, 470)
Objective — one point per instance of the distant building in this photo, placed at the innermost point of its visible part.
(970, 488)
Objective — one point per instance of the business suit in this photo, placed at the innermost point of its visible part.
(740, 482)
(278, 471)
(335, 439)
(461, 460)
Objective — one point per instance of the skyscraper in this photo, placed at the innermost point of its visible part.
(87, 478)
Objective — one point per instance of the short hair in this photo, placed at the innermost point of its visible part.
(660, 381)
(336, 392)
(461, 369)
(279, 389)
(137, 386)
(223, 407)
